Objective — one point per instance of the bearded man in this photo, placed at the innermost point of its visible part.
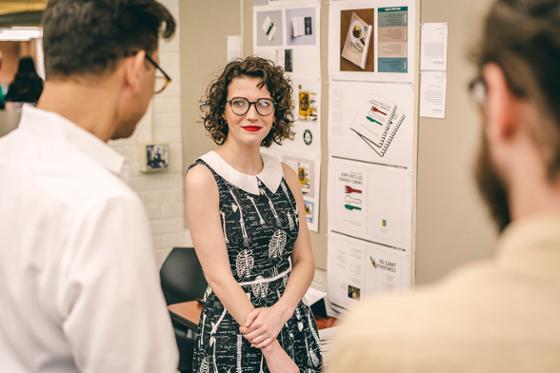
(501, 315)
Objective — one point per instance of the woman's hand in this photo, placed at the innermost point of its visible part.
(264, 324)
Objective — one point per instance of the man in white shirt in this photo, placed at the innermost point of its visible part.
(79, 290)
(501, 315)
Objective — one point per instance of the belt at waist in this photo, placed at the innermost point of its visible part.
(262, 280)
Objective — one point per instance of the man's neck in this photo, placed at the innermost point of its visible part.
(531, 192)
(91, 107)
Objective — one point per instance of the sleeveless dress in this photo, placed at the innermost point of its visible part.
(260, 224)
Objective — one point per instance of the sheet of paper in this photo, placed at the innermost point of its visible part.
(358, 269)
(233, 47)
(313, 295)
(433, 86)
(433, 46)
(307, 167)
(372, 122)
(372, 40)
(326, 338)
(370, 202)
(288, 33)
(393, 43)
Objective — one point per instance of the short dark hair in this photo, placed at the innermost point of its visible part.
(213, 104)
(523, 38)
(90, 36)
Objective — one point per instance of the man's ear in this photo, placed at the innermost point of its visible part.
(502, 107)
(133, 70)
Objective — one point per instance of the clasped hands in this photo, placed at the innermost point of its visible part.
(262, 325)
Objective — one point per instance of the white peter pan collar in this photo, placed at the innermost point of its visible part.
(271, 174)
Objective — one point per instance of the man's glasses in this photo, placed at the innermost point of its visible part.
(477, 91)
(241, 105)
(163, 80)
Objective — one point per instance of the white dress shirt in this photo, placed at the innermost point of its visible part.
(79, 289)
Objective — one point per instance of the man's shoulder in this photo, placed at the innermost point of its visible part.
(479, 309)
(59, 171)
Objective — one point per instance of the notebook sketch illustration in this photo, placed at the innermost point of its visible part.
(373, 119)
(392, 128)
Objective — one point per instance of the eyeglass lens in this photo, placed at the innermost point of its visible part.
(241, 105)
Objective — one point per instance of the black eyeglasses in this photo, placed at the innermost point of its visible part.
(163, 80)
(241, 105)
(477, 90)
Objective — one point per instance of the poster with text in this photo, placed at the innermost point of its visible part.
(370, 202)
(393, 37)
(357, 270)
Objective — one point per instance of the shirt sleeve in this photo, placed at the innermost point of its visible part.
(110, 301)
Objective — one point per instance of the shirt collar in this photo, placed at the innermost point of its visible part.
(271, 174)
(51, 126)
(532, 245)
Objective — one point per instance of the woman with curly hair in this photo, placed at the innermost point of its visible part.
(243, 212)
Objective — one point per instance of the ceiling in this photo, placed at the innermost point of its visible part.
(12, 6)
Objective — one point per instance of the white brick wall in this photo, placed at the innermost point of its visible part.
(162, 192)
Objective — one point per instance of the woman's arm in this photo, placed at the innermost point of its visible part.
(264, 324)
(203, 217)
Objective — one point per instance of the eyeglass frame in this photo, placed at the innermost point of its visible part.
(478, 91)
(159, 68)
(254, 103)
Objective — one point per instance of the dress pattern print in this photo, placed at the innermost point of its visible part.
(260, 231)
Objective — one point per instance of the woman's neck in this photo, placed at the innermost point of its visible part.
(245, 159)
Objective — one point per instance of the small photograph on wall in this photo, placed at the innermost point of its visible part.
(305, 170)
(285, 59)
(354, 292)
(300, 26)
(269, 28)
(356, 40)
(309, 211)
(306, 102)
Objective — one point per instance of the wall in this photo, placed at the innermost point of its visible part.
(162, 193)
(452, 226)
(205, 25)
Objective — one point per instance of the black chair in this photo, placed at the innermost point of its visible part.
(182, 280)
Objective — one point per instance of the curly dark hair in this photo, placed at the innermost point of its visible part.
(214, 103)
(523, 38)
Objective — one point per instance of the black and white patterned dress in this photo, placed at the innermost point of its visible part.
(260, 223)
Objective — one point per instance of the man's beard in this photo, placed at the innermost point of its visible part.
(492, 187)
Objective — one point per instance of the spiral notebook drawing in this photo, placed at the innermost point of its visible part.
(392, 131)
(374, 119)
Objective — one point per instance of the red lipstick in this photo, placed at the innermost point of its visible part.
(251, 128)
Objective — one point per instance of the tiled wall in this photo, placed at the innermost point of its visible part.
(162, 192)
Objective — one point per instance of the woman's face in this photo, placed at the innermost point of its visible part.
(252, 127)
